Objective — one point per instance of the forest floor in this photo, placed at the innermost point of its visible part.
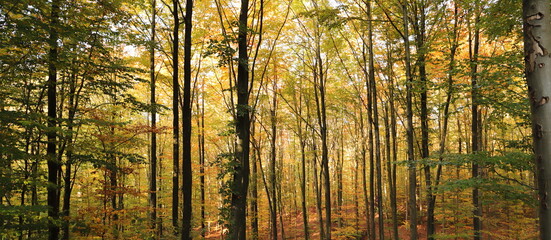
(351, 229)
(294, 228)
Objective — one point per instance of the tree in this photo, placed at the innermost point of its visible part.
(412, 172)
(153, 151)
(537, 34)
(186, 125)
(53, 164)
(372, 87)
(240, 181)
(474, 46)
(175, 114)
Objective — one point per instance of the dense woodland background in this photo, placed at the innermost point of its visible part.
(368, 120)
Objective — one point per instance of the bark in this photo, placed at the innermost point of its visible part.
(69, 175)
(303, 190)
(537, 38)
(364, 169)
(375, 121)
(475, 140)
(303, 186)
(186, 126)
(254, 189)
(242, 126)
(420, 42)
(339, 168)
(176, 118)
(371, 215)
(53, 163)
(201, 143)
(273, 163)
(390, 125)
(317, 190)
(325, 153)
(153, 150)
(412, 172)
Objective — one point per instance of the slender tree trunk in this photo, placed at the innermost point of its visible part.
(176, 118)
(242, 127)
(317, 190)
(390, 126)
(375, 121)
(303, 184)
(153, 153)
(201, 143)
(53, 164)
(67, 189)
(325, 153)
(364, 172)
(371, 216)
(537, 38)
(186, 126)
(339, 168)
(475, 140)
(273, 163)
(419, 27)
(254, 189)
(412, 172)
(302, 140)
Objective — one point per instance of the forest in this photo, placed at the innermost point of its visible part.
(275, 119)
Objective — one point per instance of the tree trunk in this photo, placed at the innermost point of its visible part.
(420, 32)
(153, 151)
(412, 172)
(186, 126)
(273, 163)
(302, 141)
(371, 216)
(317, 190)
(537, 39)
(201, 143)
(364, 172)
(254, 188)
(176, 118)
(68, 183)
(537, 36)
(475, 140)
(242, 128)
(375, 120)
(53, 164)
(390, 125)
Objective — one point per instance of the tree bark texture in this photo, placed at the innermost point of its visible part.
(240, 184)
(53, 163)
(176, 117)
(537, 41)
(412, 172)
(153, 150)
(186, 126)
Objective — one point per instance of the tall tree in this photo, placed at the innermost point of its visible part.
(412, 172)
(201, 144)
(474, 43)
(273, 161)
(240, 181)
(537, 39)
(153, 150)
(53, 163)
(375, 122)
(175, 114)
(419, 29)
(186, 125)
